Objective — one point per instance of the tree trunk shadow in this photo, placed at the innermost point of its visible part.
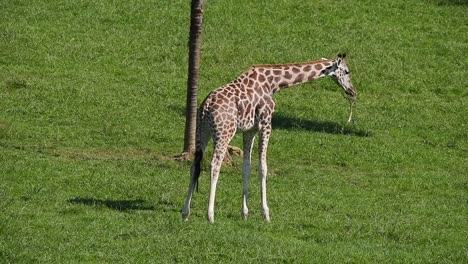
(281, 121)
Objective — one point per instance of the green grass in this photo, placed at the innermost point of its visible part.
(92, 97)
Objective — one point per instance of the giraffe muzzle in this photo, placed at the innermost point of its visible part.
(351, 93)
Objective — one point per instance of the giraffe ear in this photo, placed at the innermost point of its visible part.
(341, 57)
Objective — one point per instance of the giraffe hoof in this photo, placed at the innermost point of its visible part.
(244, 213)
(210, 218)
(185, 216)
(266, 215)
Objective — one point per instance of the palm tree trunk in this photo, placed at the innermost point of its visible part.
(196, 19)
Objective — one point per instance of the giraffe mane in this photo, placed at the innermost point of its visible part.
(290, 64)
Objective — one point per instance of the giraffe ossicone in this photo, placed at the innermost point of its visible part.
(246, 105)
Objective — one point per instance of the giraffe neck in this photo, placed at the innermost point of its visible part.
(282, 76)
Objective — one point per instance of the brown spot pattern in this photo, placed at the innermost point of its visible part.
(253, 75)
(299, 78)
(261, 78)
(311, 76)
(296, 70)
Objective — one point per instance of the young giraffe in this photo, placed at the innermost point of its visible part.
(246, 105)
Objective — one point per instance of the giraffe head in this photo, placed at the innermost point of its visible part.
(339, 72)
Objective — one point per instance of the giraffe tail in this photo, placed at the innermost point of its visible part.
(197, 165)
(202, 138)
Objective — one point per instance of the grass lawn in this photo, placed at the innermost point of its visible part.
(92, 97)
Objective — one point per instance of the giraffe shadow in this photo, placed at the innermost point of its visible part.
(453, 3)
(281, 121)
(118, 205)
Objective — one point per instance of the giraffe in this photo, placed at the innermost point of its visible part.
(246, 105)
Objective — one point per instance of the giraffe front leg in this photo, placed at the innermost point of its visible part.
(246, 169)
(262, 176)
(263, 170)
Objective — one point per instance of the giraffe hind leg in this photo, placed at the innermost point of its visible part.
(216, 162)
(220, 148)
(203, 137)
